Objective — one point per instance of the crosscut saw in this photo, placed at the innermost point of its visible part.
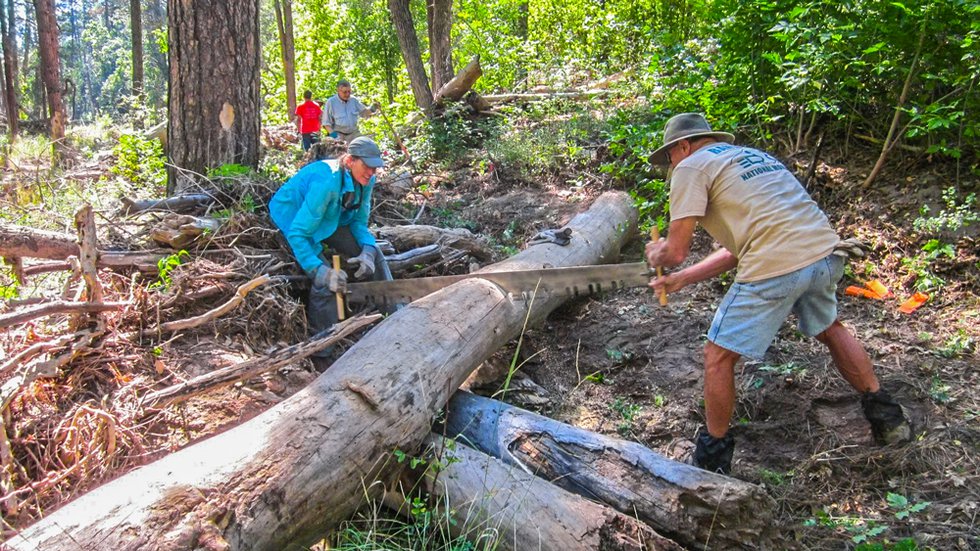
(570, 281)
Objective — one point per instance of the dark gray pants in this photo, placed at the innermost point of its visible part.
(321, 312)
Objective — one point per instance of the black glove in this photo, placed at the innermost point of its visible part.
(364, 262)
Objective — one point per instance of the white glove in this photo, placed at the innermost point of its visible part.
(335, 280)
(364, 261)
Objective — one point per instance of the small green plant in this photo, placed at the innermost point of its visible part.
(865, 531)
(617, 355)
(959, 344)
(772, 478)
(921, 265)
(659, 401)
(165, 266)
(231, 170)
(956, 215)
(788, 369)
(598, 378)
(939, 391)
(627, 411)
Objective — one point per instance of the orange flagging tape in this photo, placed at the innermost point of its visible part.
(856, 291)
(913, 303)
(879, 288)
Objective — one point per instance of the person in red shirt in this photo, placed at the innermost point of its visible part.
(308, 117)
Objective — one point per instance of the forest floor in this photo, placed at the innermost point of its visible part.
(621, 364)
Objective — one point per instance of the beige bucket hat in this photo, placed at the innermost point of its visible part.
(685, 127)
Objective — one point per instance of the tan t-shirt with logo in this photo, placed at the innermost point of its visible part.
(751, 204)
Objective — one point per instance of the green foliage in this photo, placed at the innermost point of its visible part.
(598, 378)
(788, 369)
(865, 532)
(165, 266)
(922, 265)
(628, 412)
(959, 344)
(141, 161)
(939, 391)
(956, 215)
(231, 170)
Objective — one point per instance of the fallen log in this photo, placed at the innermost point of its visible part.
(180, 204)
(502, 98)
(309, 462)
(417, 235)
(501, 507)
(695, 507)
(57, 307)
(179, 231)
(23, 242)
(422, 255)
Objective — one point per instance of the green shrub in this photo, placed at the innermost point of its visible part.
(141, 161)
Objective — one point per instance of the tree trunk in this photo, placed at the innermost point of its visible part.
(136, 25)
(401, 17)
(214, 87)
(8, 30)
(308, 463)
(47, 32)
(504, 508)
(284, 21)
(440, 17)
(683, 502)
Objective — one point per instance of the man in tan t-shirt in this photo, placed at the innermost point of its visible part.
(782, 246)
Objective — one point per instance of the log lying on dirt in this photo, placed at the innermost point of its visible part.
(694, 507)
(306, 464)
(180, 203)
(417, 235)
(179, 231)
(502, 507)
(421, 255)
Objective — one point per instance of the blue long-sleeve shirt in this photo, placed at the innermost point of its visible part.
(308, 209)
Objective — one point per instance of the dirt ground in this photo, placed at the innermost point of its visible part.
(621, 364)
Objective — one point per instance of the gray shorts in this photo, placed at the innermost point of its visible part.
(751, 313)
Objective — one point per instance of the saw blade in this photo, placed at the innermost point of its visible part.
(570, 281)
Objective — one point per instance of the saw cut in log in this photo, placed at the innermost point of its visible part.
(502, 507)
(694, 507)
(457, 87)
(418, 235)
(308, 463)
(179, 231)
(180, 204)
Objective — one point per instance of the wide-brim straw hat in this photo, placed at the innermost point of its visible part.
(685, 126)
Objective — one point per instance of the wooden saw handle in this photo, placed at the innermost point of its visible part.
(655, 235)
(340, 296)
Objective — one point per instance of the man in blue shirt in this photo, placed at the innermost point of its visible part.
(341, 112)
(329, 202)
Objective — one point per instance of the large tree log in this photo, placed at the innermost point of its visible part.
(695, 507)
(501, 507)
(456, 88)
(307, 463)
(23, 242)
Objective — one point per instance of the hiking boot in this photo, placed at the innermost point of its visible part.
(889, 425)
(713, 454)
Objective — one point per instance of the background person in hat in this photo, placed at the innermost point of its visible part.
(328, 202)
(782, 245)
(341, 112)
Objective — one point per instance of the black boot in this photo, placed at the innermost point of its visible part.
(713, 454)
(889, 425)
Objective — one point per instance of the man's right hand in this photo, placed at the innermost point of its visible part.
(670, 282)
(335, 280)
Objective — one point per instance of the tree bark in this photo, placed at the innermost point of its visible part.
(456, 88)
(214, 87)
(47, 32)
(688, 504)
(8, 30)
(502, 507)
(440, 18)
(306, 464)
(136, 28)
(284, 22)
(401, 17)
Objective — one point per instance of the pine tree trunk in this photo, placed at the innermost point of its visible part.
(401, 17)
(8, 29)
(284, 22)
(47, 32)
(136, 25)
(440, 16)
(214, 87)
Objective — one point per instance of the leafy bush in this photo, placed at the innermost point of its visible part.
(141, 161)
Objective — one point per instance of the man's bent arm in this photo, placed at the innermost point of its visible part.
(715, 263)
(675, 249)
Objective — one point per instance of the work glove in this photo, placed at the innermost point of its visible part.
(558, 237)
(335, 280)
(364, 262)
